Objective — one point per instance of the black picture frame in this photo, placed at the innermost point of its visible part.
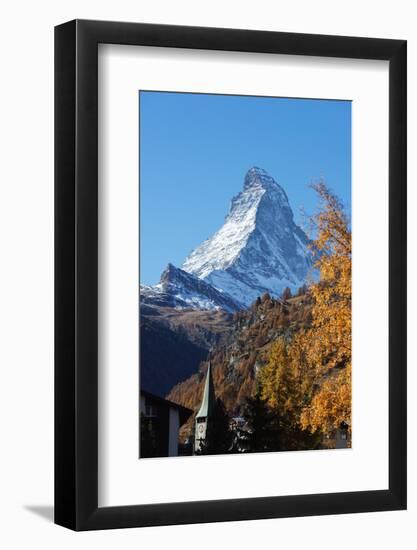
(76, 272)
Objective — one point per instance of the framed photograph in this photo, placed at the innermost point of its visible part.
(230, 252)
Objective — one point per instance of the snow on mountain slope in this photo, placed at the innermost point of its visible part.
(184, 290)
(258, 249)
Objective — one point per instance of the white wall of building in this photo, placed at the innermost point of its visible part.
(174, 426)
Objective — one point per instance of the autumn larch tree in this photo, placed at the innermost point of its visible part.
(328, 341)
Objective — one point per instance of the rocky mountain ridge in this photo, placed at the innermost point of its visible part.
(183, 290)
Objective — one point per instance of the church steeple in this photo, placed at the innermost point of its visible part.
(207, 404)
(206, 410)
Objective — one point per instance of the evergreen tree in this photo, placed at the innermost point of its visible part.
(258, 437)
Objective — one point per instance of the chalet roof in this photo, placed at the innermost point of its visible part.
(183, 411)
(209, 397)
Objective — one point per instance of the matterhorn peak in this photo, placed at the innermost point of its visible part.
(258, 176)
(259, 248)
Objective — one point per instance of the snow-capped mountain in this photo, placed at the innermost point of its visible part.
(183, 290)
(258, 249)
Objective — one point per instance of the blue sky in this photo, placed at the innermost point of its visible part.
(195, 150)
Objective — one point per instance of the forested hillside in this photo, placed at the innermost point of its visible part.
(245, 350)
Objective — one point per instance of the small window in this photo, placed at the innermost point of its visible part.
(150, 410)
